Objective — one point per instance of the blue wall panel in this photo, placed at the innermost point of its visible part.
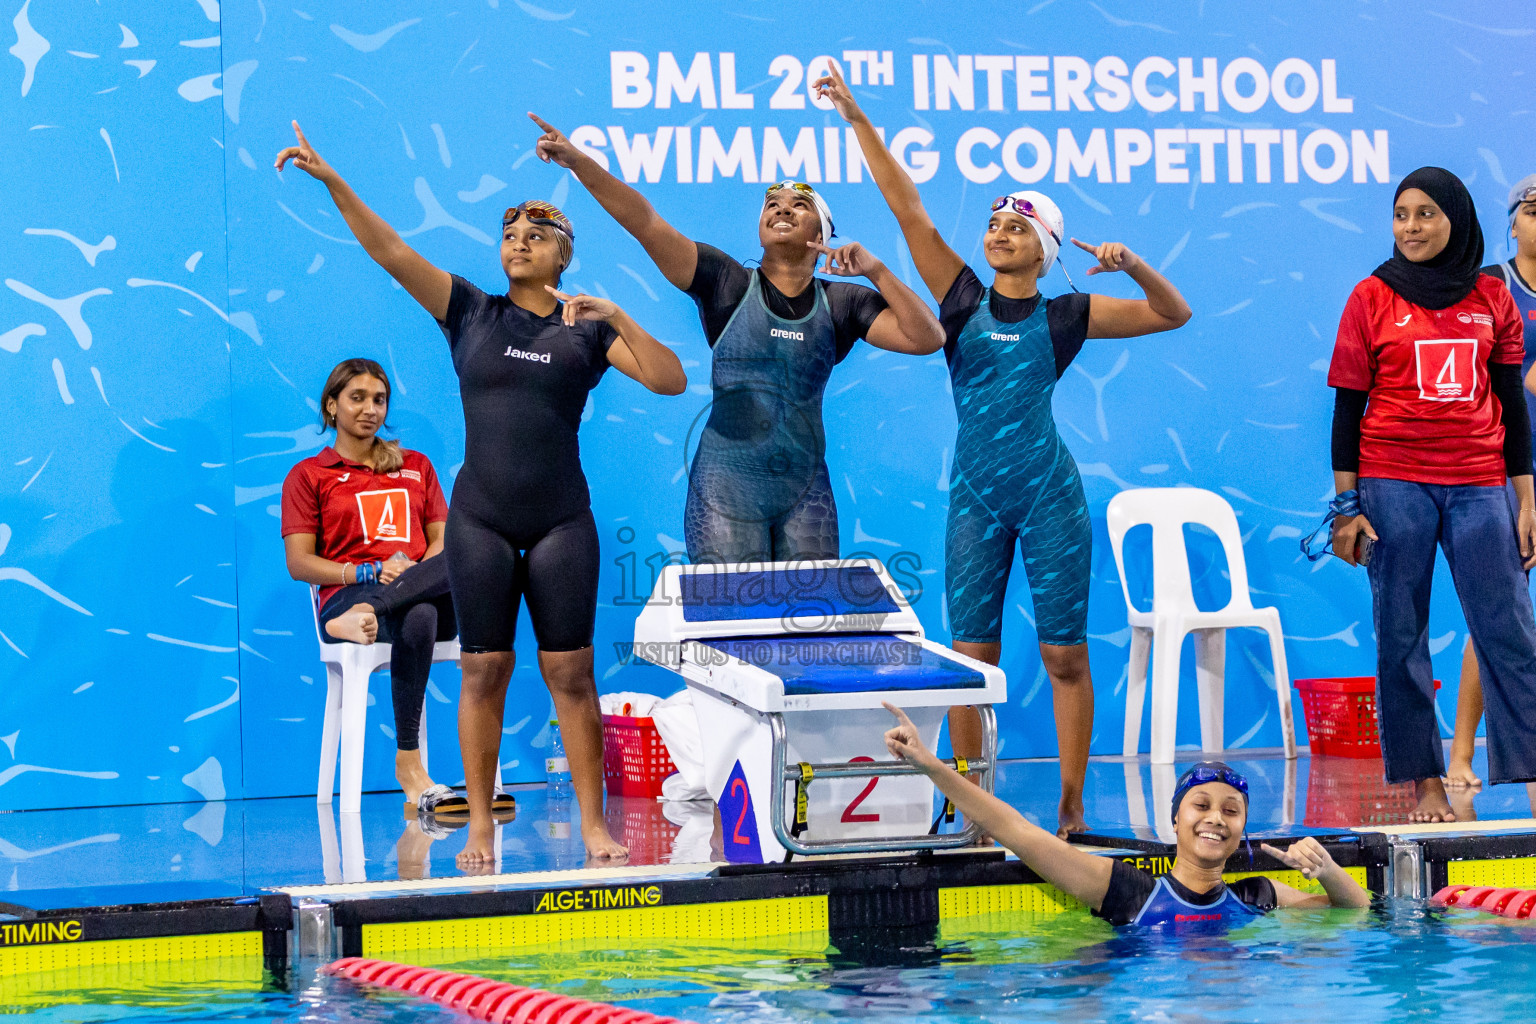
(422, 108)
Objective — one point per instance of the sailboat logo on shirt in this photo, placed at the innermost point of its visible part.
(1447, 369)
(385, 515)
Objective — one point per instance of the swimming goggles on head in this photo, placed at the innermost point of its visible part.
(1208, 771)
(1025, 208)
(1527, 196)
(539, 212)
(798, 186)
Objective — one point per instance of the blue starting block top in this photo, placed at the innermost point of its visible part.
(779, 593)
(850, 663)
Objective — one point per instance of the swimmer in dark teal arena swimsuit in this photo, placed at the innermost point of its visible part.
(1210, 815)
(1014, 483)
(758, 489)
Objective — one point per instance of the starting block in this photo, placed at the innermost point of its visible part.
(789, 664)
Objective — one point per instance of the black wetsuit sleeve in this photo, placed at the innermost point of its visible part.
(1067, 318)
(464, 300)
(854, 308)
(1258, 892)
(1128, 891)
(718, 286)
(1504, 379)
(958, 304)
(1348, 409)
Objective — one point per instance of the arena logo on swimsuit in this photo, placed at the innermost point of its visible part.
(998, 336)
(791, 335)
(532, 357)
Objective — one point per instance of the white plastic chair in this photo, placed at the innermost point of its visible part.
(1160, 633)
(348, 667)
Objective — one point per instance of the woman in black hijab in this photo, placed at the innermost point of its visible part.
(1429, 422)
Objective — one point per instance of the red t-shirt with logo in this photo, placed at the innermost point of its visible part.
(358, 515)
(1431, 417)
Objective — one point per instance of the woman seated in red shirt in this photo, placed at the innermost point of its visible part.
(1429, 420)
(363, 521)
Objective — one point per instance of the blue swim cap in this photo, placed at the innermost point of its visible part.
(1208, 771)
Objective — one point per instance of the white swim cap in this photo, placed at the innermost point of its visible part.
(1045, 219)
(1521, 193)
(822, 210)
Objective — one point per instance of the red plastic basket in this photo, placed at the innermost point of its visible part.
(1341, 715)
(635, 760)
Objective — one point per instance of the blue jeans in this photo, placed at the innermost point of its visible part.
(1475, 527)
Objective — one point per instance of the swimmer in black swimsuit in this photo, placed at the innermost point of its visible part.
(758, 489)
(520, 523)
(1210, 813)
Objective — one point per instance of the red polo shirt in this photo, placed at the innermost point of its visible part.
(1431, 418)
(358, 515)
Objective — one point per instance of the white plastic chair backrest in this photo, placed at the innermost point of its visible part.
(1166, 510)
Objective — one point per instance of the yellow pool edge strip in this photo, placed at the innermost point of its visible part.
(1508, 873)
(53, 956)
(727, 920)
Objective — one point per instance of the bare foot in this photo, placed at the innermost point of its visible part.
(479, 854)
(1460, 776)
(413, 778)
(358, 624)
(1069, 818)
(602, 846)
(1432, 805)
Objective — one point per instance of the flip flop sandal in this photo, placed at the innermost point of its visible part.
(503, 805)
(440, 801)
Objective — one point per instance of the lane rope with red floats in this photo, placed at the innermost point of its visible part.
(1517, 904)
(496, 1002)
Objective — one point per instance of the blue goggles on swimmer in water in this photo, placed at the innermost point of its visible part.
(1207, 771)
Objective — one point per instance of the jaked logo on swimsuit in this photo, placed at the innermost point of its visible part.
(791, 335)
(532, 357)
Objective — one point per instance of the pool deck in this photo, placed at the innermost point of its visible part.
(291, 879)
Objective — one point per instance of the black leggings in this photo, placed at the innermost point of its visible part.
(415, 611)
(492, 569)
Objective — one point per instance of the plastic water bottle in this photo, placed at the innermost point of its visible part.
(557, 770)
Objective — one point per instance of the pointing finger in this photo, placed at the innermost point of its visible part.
(300, 133)
(1085, 246)
(557, 293)
(1277, 854)
(542, 123)
(819, 247)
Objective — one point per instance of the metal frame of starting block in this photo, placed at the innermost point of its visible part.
(789, 664)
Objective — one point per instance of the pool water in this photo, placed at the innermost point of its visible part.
(1398, 962)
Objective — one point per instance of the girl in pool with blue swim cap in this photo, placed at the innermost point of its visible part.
(1210, 815)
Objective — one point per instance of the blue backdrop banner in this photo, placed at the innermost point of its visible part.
(172, 307)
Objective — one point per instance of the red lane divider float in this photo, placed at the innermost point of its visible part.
(496, 1002)
(1518, 904)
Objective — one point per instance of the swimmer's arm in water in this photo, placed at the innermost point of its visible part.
(1074, 872)
(634, 353)
(674, 253)
(425, 283)
(1309, 857)
(906, 324)
(936, 262)
(1162, 310)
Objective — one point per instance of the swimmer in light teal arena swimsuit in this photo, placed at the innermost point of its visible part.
(1210, 820)
(1014, 483)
